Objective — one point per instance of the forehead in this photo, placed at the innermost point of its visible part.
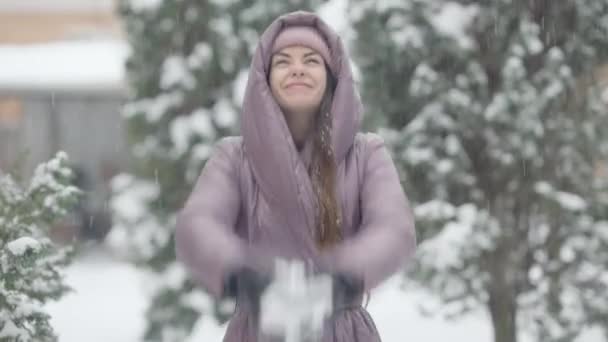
(296, 51)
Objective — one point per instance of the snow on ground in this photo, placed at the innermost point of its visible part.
(398, 319)
(107, 304)
(109, 301)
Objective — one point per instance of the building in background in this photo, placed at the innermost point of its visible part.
(61, 88)
(41, 21)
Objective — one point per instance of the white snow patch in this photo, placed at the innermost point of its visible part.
(445, 166)
(144, 5)
(201, 55)
(201, 151)
(593, 334)
(452, 145)
(601, 228)
(567, 200)
(10, 330)
(445, 247)
(334, 14)
(408, 35)
(154, 108)
(224, 113)
(184, 127)
(417, 155)
(107, 303)
(571, 201)
(21, 245)
(424, 77)
(131, 204)
(453, 20)
(175, 72)
(398, 318)
(435, 210)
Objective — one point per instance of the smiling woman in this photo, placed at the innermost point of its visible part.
(298, 77)
(301, 184)
(298, 80)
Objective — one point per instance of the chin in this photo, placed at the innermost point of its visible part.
(302, 105)
(307, 108)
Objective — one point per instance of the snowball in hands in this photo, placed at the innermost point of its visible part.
(293, 305)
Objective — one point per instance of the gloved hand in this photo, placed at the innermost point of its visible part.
(248, 280)
(243, 279)
(251, 278)
(346, 287)
(348, 284)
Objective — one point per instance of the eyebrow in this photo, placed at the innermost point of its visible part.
(282, 54)
(311, 53)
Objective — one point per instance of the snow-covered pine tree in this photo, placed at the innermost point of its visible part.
(498, 125)
(186, 74)
(30, 264)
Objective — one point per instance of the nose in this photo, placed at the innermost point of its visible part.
(297, 70)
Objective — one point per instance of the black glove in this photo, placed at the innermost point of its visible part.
(253, 275)
(346, 288)
(245, 279)
(249, 282)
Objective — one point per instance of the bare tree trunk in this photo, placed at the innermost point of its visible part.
(504, 265)
(503, 311)
(502, 301)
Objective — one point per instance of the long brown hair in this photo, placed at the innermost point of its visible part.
(323, 172)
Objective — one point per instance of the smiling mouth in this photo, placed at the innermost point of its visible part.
(298, 85)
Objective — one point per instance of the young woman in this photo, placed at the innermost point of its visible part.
(301, 183)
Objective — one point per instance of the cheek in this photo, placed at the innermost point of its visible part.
(321, 90)
(274, 82)
(321, 78)
(277, 77)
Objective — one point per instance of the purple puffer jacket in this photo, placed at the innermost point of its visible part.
(255, 191)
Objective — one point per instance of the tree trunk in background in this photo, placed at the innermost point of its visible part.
(502, 305)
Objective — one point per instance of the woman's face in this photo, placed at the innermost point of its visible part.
(297, 80)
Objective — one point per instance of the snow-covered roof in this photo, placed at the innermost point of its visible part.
(63, 66)
(56, 5)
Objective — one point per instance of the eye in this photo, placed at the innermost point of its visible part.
(313, 61)
(280, 62)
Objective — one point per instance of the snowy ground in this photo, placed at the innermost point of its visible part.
(108, 304)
